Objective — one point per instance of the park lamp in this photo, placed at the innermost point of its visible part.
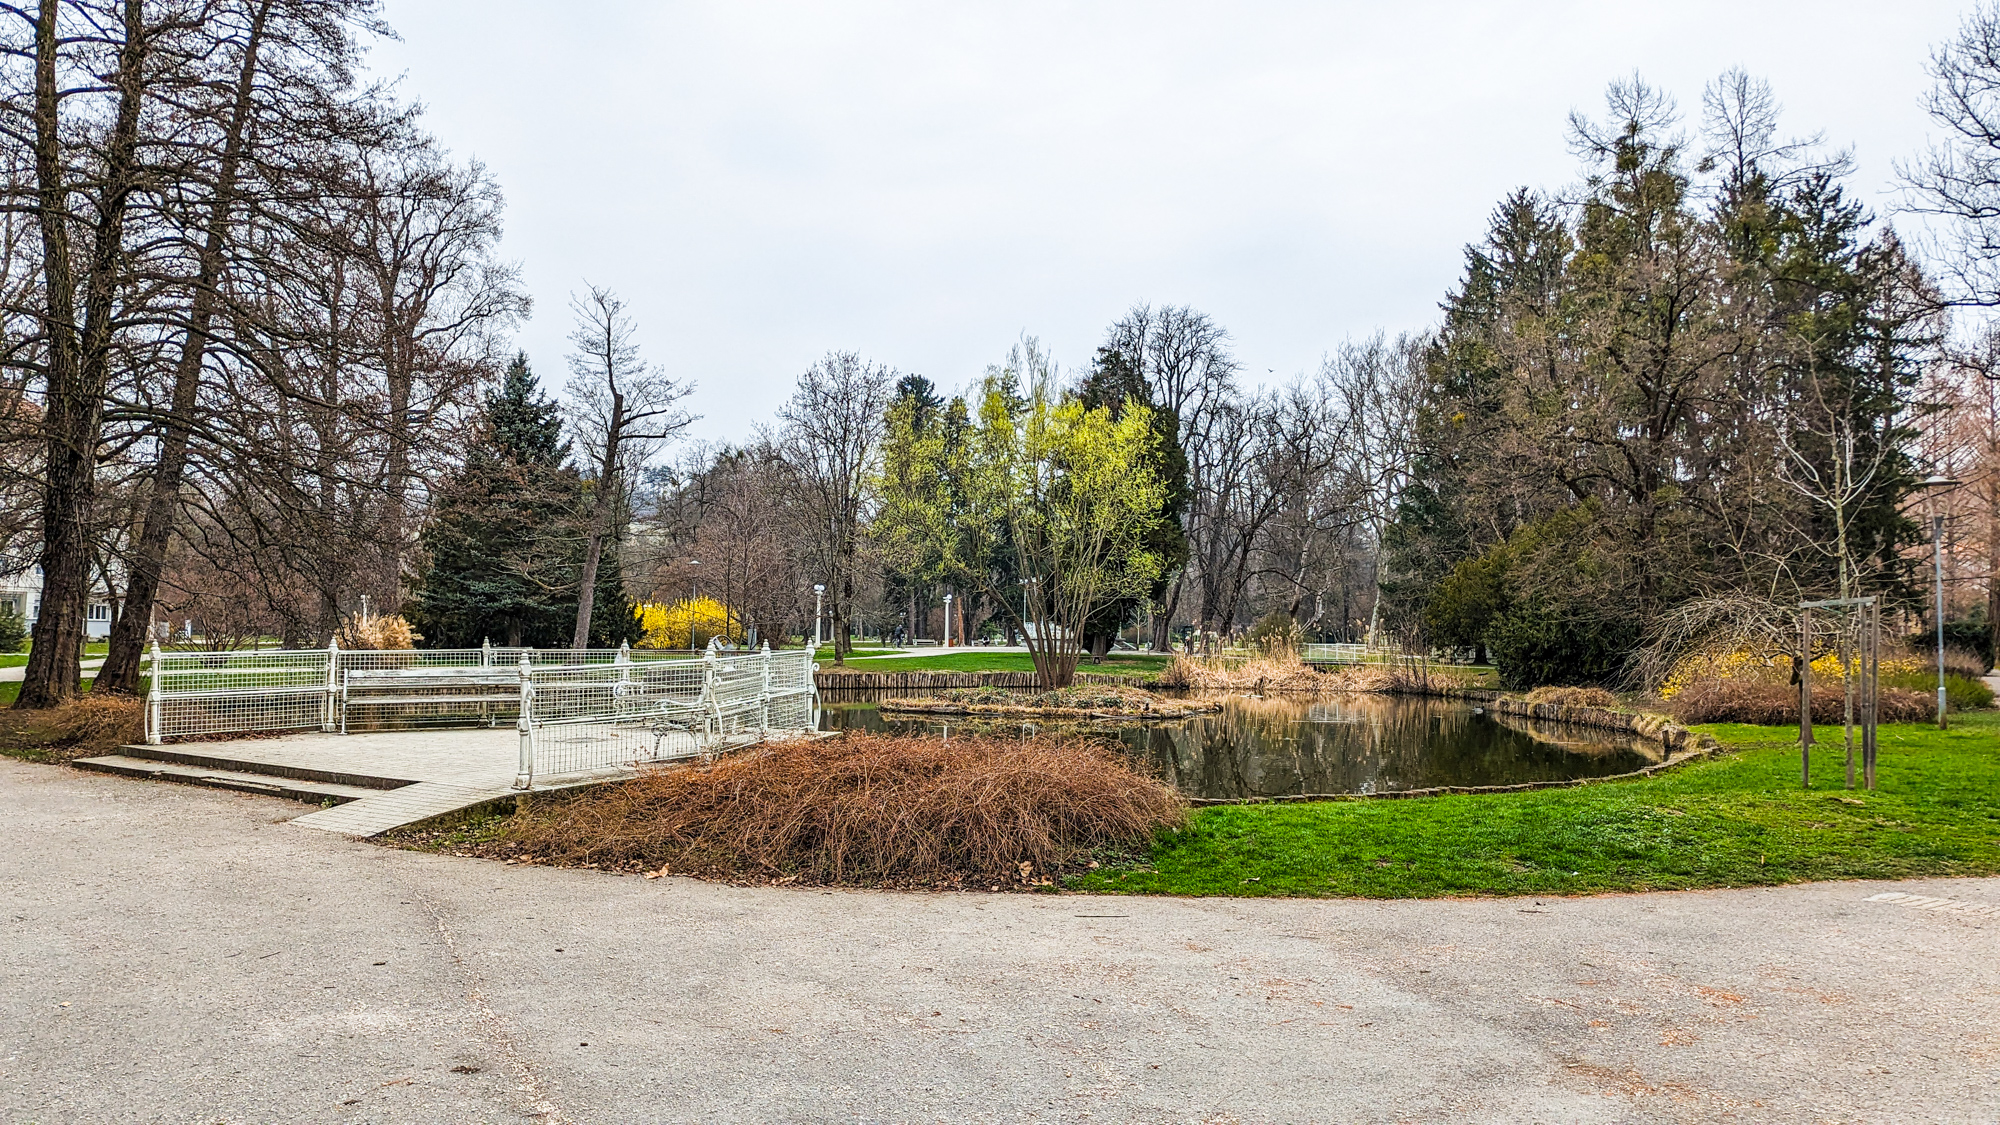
(1937, 484)
(819, 602)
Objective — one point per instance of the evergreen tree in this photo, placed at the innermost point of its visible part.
(1114, 381)
(501, 553)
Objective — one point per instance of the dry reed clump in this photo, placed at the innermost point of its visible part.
(1574, 697)
(84, 727)
(863, 809)
(1256, 673)
(1074, 698)
(1957, 662)
(1090, 700)
(1777, 704)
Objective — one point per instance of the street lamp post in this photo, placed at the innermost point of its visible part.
(947, 621)
(694, 595)
(1935, 486)
(1937, 563)
(819, 611)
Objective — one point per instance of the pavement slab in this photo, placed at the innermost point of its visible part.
(175, 954)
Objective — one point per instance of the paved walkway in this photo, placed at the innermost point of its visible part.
(181, 955)
(444, 771)
(19, 673)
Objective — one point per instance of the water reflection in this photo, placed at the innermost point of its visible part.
(1284, 745)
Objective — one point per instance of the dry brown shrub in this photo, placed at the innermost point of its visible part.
(84, 727)
(864, 808)
(387, 633)
(1256, 673)
(1574, 697)
(1769, 704)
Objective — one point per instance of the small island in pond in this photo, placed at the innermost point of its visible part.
(1094, 701)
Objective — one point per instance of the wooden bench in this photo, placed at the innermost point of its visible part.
(388, 687)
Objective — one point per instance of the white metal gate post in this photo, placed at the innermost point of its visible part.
(764, 699)
(525, 776)
(153, 699)
(332, 685)
(710, 696)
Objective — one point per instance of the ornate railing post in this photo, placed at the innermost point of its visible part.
(713, 720)
(525, 776)
(332, 686)
(153, 698)
(764, 698)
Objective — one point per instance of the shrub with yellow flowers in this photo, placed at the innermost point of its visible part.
(685, 625)
(1749, 666)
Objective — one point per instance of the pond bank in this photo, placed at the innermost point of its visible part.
(1739, 819)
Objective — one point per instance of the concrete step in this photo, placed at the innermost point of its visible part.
(297, 789)
(188, 755)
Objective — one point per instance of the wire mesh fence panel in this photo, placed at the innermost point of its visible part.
(400, 688)
(202, 693)
(591, 717)
(589, 710)
(199, 693)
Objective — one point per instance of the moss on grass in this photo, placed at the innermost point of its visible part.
(1740, 820)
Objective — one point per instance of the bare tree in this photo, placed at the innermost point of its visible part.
(833, 427)
(281, 68)
(1378, 388)
(1958, 177)
(621, 411)
(1183, 362)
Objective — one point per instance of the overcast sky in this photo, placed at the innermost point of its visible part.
(922, 182)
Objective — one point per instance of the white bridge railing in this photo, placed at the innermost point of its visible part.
(574, 710)
(578, 718)
(1349, 654)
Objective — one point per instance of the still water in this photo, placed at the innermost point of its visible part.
(1282, 745)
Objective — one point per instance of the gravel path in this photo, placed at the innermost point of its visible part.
(181, 955)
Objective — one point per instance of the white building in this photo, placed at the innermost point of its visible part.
(21, 592)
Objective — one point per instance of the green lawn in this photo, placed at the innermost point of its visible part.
(20, 659)
(1135, 665)
(11, 691)
(1740, 820)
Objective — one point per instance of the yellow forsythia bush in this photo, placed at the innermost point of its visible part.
(668, 626)
(1745, 666)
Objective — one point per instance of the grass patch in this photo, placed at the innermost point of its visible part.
(1740, 820)
(1143, 666)
(11, 690)
(861, 809)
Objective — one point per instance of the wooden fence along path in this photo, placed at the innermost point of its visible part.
(931, 681)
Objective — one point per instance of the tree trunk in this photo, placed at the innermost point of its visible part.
(1163, 618)
(600, 527)
(129, 633)
(78, 370)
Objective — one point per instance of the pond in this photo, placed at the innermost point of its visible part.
(1355, 743)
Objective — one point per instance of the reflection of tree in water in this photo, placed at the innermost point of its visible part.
(1365, 744)
(1270, 747)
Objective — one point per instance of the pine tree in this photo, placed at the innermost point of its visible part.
(501, 554)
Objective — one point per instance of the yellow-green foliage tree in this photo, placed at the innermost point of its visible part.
(685, 625)
(1059, 508)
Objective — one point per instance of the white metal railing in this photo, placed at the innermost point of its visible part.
(251, 690)
(1348, 654)
(587, 717)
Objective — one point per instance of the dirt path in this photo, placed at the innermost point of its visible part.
(174, 954)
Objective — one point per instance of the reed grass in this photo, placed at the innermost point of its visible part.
(866, 809)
